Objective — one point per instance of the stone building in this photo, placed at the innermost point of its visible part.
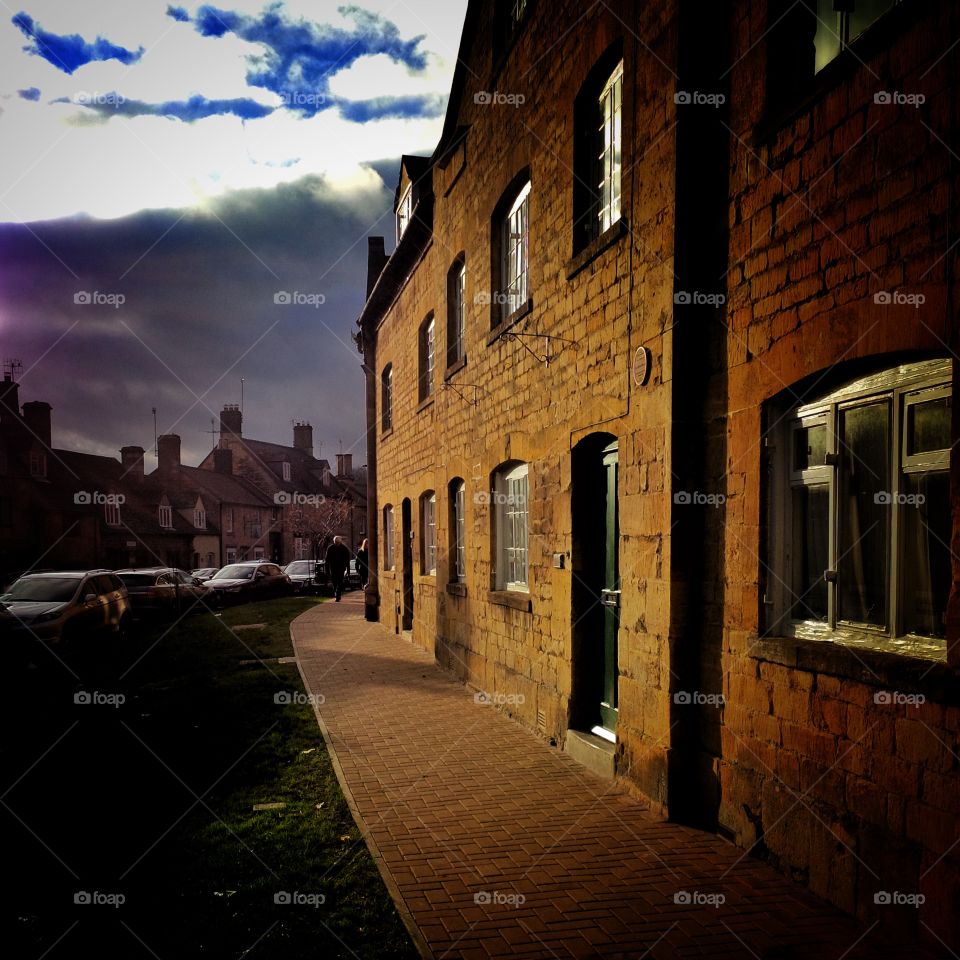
(660, 434)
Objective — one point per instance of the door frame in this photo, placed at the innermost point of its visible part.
(406, 562)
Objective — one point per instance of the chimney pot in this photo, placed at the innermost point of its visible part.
(344, 464)
(231, 420)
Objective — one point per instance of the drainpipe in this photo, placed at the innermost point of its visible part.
(371, 596)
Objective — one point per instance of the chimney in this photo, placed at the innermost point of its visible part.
(376, 261)
(303, 438)
(223, 460)
(344, 464)
(36, 415)
(168, 447)
(132, 460)
(9, 399)
(231, 420)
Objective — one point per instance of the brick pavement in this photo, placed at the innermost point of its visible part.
(456, 800)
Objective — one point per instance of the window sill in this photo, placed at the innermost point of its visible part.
(388, 574)
(501, 328)
(427, 579)
(511, 598)
(385, 433)
(457, 589)
(595, 247)
(424, 403)
(455, 367)
(877, 668)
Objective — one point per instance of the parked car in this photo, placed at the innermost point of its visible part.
(250, 580)
(165, 591)
(64, 607)
(204, 573)
(306, 576)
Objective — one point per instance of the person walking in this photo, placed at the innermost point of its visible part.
(338, 559)
(363, 563)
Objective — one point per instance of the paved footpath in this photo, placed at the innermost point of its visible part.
(494, 844)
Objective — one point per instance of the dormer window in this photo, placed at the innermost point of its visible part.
(166, 516)
(200, 516)
(38, 464)
(404, 211)
(285, 467)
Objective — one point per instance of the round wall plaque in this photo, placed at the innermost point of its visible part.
(641, 366)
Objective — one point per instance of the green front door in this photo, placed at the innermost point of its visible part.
(610, 594)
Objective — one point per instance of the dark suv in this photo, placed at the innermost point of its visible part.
(64, 607)
(251, 580)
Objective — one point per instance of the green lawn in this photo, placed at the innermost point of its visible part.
(152, 800)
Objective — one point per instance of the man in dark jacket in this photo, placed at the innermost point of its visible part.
(338, 559)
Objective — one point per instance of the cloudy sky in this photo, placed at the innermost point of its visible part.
(167, 170)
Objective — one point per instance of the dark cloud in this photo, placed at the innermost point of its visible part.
(69, 52)
(31, 93)
(178, 13)
(301, 57)
(196, 108)
(198, 314)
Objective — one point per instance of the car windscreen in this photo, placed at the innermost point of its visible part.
(300, 567)
(43, 589)
(235, 572)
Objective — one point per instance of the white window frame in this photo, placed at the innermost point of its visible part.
(285, 470)
(902, 386)
(165, 516)
(458, 524)
(404, 211)
(611, 144)
(111, 514)
(456, 312)
(515, 254)
(258, 553)
(428, 534)
(427, 357)
(228, 520)
(200, 518)
(511, 530)
(389, 560)
(386, 398)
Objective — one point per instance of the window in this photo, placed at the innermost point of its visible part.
(598, 149)
(228, 519)
(426, 354)
(404, 211)
(514, 243)
(458, 567)
(166, 515)
(38, 464)
(253, 524)
(388, 557)
(510, 15)
(258, 553)
(285, 471)
(231, 554)
(301, 548)
(199, 517)
(112, 514)
(510, 527)
(428, 533)
(860, 518)
(611, 105)
(386, 398)
(456, 312)
(839, 22)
